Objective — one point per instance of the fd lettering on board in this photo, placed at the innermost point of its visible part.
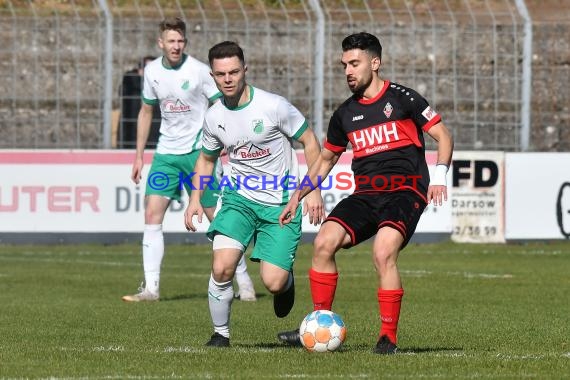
(482, 173)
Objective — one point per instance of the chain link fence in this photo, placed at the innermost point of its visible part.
(466, 57)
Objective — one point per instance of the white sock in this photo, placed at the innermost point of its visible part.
(242, 266)
(220, 297)
(241, 276)
(153, 252)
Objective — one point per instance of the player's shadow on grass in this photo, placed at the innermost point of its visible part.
(421, 350)
(356, 347)
(265, 346)
(182, 297)
(407, 350)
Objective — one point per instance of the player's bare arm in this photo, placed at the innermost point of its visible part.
(204, 167)
(437, 190)
(314, 204)
(317, 172)
(143, 128)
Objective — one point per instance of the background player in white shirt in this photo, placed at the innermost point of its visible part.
(257, 128)
(184, 89)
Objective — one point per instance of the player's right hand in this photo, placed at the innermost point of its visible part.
(194, 208)
(137, 170)
(290, 210)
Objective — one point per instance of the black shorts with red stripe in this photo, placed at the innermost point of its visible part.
(363, 214)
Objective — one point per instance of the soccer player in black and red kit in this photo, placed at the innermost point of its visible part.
(385, 124)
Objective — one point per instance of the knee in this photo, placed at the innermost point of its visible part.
(152, 215)
(324, 247)
(221, 272)
(384, 258)
(148, 215)
(274, 284)
(273, 287)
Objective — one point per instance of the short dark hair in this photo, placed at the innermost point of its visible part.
(173, 23)
(363, 41)
(226, 49)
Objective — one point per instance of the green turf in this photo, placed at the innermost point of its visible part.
(469, 312)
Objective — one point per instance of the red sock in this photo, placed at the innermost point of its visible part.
(323, 287)
(389, 302)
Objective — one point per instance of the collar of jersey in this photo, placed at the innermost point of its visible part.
(184, 56)
(378, 95)
(243, 105)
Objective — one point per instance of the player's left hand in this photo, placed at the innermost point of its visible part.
(315, 206)
(437, 193)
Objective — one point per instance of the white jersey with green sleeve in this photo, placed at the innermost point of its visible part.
(258, 138)
(184, 93)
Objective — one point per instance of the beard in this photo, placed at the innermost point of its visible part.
(358, 87)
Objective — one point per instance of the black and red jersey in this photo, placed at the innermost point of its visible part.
(386, 134)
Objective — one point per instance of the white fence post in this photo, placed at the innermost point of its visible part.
(527, 75)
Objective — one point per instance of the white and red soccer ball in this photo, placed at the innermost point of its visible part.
(322, 331)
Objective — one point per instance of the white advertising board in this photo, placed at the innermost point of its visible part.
(477, 202)
(437, 219)
(71, 191)
(91, 191)
(537, 196)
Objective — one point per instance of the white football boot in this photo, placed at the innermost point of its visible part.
(143, 296)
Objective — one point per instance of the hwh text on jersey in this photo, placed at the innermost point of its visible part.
(374, 136)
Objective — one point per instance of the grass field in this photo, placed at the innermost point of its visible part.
(469, 312)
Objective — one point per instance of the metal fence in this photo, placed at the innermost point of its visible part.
(60, 82)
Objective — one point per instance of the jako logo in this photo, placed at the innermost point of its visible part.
(359, 117)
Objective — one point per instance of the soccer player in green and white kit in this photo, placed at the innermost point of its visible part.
(184, 89)
(256, 128)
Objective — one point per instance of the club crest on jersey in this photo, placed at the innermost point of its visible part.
(257, 125)
(186, 85)
(388, 110)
